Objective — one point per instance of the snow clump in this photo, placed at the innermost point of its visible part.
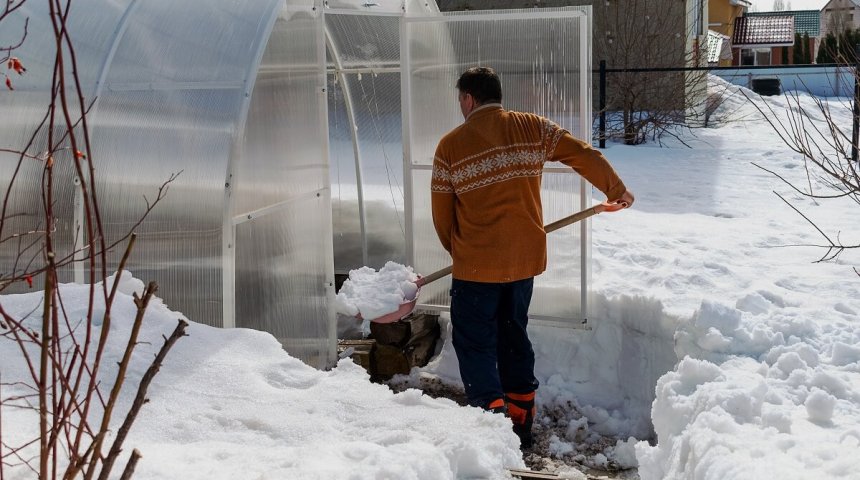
(376, 293)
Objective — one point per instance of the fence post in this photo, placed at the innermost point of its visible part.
(602, 105)
(856, 131)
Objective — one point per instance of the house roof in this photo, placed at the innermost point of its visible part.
(855, 2)
(805, 21)
(760, 31)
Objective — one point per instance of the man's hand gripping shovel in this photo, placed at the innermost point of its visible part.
(408, 306)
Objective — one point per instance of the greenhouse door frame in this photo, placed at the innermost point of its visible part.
(585, 126)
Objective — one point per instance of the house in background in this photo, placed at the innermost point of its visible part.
(840, 15)
(721, 27)
(805, 22)
(722, 15)
(759, 40)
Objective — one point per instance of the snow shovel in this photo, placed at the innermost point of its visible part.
(407, 307)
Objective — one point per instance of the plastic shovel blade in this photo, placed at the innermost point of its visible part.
(403, 311)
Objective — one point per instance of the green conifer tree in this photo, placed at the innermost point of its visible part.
(829, 48)
(797, 52)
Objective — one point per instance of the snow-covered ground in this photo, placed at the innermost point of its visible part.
(708, 329)
(768, 384)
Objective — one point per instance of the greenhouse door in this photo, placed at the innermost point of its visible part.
(543, 57)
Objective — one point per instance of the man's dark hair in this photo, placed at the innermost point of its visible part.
(482, 84)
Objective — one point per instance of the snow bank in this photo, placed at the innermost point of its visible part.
(597, 385)
(757, 397)
(608, 372)
(232, 404)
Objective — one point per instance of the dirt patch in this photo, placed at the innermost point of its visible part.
(549, 454)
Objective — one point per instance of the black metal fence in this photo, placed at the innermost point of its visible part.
(854, 69)
(856, 131)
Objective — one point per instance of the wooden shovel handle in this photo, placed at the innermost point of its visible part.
(434, 276)
(576, 217)
(588, 212)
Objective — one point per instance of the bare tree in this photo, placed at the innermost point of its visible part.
(63, 357)
(640, 34)
(646, 34)
(825, 145)
(836, 21)
(13, 64)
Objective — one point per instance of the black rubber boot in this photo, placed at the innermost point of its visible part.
(521, 409)
(498, 406)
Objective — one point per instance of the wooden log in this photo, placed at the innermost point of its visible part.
(531, 475)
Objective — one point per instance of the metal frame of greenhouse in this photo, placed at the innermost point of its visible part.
(304, 131)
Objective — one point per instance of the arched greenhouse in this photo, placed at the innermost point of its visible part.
(304, 131)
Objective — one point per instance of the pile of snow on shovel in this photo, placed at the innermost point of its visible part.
(376, 293)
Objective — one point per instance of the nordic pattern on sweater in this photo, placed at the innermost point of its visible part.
(485, 190)
(500, 163)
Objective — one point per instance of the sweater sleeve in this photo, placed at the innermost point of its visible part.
(563, 147)
(442, 200)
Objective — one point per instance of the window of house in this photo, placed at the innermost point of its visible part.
(755, 56)
(762, 56)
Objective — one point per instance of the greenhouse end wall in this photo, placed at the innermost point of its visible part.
(543, 58)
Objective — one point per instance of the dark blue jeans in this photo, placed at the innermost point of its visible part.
(489, 323)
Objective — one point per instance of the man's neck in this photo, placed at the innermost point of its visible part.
(482, 107)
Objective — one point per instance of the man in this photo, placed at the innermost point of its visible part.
(487, 212)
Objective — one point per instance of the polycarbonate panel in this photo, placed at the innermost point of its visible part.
(433, 70)
(346, 222)
(178, 87)
(377, 110)
(185, 41)
(25, 215)
(429, 255)
(140, 139)
(540, 57)
(557, 290)
(282, 209)
(543, 59)
(420, 7)
(364, 40)
(281, 281)
(367, 6)
(282, 147)
(92, 25)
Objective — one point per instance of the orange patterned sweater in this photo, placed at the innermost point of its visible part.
(486, 191)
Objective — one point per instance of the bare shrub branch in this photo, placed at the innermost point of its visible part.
(825, 146)
(61, 357)
(650, 35)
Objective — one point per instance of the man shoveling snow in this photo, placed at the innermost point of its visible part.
(487, 212)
